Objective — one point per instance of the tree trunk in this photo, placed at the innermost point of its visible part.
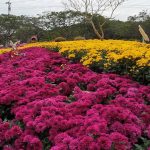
(96, 31)
(102, 32)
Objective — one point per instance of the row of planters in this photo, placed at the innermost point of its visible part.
(50, 103)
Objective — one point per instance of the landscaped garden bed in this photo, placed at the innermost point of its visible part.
(50, 102)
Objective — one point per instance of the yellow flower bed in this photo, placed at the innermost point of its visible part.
(4, 50)
(115, 50)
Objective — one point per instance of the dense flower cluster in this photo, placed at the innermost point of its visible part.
(47, 102)
(118, 56)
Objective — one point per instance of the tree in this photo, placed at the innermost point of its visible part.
(141, 17)
(92, 8)
(64, 23)
(127, 30)
(8, 26)
(52, 20)
(20, 28)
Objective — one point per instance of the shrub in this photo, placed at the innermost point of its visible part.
(79, 38)
(59, 39)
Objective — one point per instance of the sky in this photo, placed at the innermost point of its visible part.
(34, 7)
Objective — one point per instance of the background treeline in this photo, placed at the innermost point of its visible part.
(68, 24)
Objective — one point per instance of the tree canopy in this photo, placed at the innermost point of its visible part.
(69, 24)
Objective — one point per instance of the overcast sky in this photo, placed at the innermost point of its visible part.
(33, 7)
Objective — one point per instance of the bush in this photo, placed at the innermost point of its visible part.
(79, 38)
(59, 39)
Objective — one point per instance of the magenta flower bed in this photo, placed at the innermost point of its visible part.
(48, 103)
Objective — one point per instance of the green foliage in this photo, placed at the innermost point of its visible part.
(20, 124)
(45, 141)
(69, 24)
(122, 30)
(70, 99)
(80, 54)
(143, 144)
(142, 75)
(20, 28)
(99, 66)
(46, 144)
(5, 112)
(122, 66)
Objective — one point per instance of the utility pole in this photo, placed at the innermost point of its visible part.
(9, 7)
(8, 30)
